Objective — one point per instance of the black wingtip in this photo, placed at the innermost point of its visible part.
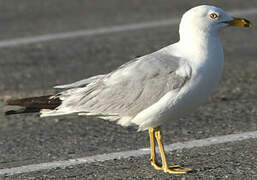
(33, 104)
(22, 111)
(11, 112)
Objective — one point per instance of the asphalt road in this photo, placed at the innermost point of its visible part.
(32, 69)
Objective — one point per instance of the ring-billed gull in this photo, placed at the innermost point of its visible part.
(153, 89)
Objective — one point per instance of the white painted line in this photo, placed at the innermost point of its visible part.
(127, 154)
(106, 30)
(90, 32)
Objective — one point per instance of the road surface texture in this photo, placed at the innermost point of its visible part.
(31, 68)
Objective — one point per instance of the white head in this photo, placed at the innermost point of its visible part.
(207, 20)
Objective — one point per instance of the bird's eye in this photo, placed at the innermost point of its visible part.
(213, 15)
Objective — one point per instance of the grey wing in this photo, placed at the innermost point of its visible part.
(80, 83)
(128, 90)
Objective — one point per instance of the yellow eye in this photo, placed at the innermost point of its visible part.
(213, 15)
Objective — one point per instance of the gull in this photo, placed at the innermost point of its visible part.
(153, 89)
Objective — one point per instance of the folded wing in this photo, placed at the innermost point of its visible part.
(126, 91)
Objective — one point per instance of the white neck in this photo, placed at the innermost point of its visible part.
(200, 47)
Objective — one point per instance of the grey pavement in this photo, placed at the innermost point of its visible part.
(32, 69)
(216, 162)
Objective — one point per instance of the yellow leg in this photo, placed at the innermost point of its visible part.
(174, 169)
(153, 155)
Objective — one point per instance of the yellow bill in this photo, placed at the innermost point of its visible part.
(240, 22)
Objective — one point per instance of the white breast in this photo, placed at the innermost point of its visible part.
(203, 82)
(206, 61)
